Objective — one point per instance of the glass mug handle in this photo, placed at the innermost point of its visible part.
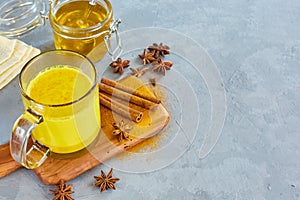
(116, 52)
(21, 135)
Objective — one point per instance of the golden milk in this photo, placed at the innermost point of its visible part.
(79, 26)
(70, 122)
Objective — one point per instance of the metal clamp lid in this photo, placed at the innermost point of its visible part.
(114, 52)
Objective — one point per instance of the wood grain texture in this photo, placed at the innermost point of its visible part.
(105, 147)
(7, 163)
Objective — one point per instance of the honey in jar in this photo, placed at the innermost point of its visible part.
(81, 25)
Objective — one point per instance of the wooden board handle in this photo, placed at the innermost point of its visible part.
(7, 163)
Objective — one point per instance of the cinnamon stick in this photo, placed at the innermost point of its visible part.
(130, 90)
(115, 92)
(120, 108)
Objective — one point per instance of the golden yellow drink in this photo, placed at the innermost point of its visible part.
(81, 27)
(74, 125)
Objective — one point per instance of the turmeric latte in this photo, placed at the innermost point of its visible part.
(70, 122)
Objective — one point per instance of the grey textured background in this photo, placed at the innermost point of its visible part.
(256, 46)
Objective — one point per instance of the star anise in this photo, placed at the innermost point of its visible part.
(106, 181)
(122, 130)
(147, 57)
(159, 50)
(62, 191)
(161, 66)
(119, 65)
(138, 72)
(153, 81)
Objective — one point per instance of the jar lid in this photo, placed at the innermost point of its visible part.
(18, 17)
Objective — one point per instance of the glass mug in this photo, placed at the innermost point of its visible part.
(85, 26)
(59, 92)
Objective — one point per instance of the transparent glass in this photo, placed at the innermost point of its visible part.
(61, 128)
(18, 17)
(84, 26)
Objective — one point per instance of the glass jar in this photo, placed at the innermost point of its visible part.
(84, 26)
(18, 17)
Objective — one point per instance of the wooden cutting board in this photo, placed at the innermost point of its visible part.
(7, 163)
(103, 148)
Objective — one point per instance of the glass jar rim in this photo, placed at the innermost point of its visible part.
(11, 8)
(95, 27)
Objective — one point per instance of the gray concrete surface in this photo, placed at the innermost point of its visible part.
(256, 46)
